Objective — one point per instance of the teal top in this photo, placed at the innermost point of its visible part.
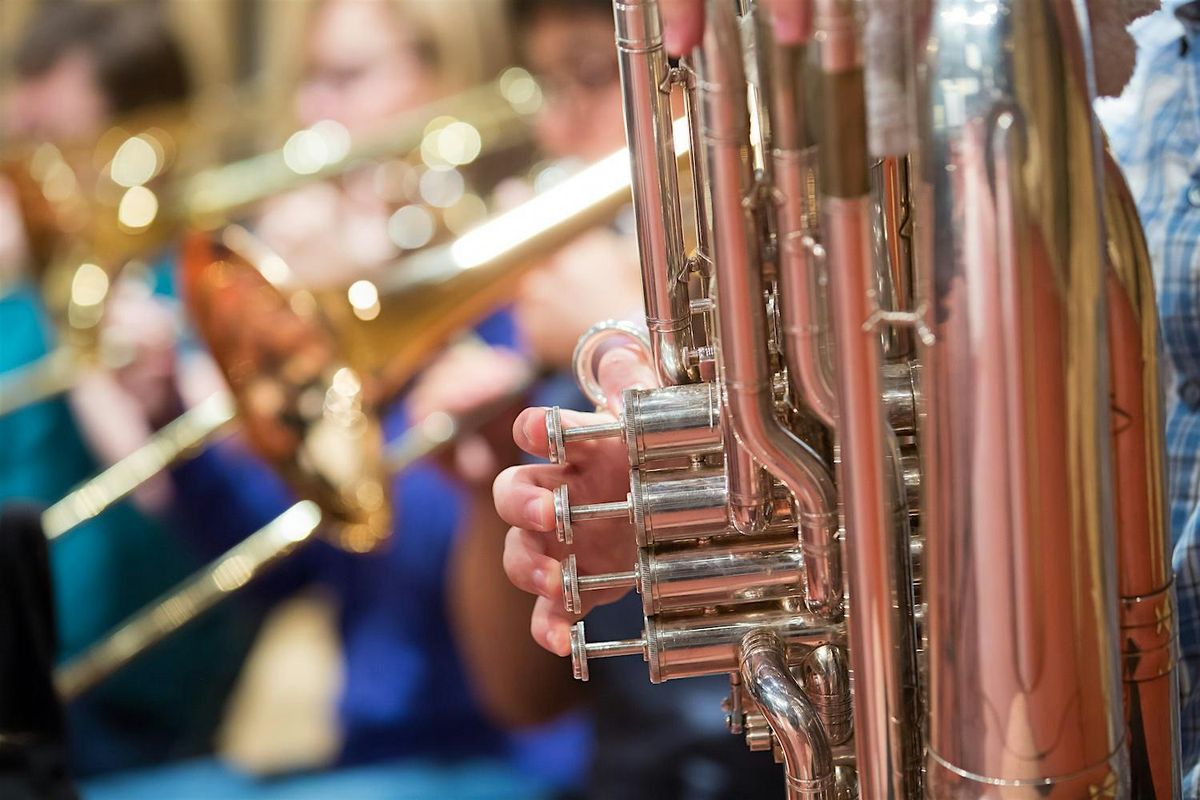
(166, 703)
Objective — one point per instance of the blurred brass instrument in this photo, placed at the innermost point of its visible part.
(358, 346)
(384, 331)
(898, 483)
(245, 562)
(91, 208)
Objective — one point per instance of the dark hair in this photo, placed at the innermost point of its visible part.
(138, 61)
(524, 12)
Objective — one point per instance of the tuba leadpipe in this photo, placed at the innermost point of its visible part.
(881, 635)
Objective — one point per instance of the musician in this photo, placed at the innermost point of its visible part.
(652, 742)
(1154, 134)
(76, 68)
(598, 471)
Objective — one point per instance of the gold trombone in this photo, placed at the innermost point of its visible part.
(383, 331)
(89, 210)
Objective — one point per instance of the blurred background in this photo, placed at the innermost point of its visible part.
(254, 256)
(249, 52)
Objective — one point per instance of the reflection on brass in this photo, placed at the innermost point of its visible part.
(936, 568)
(1149, 637)
(300, 404)
(89, 208)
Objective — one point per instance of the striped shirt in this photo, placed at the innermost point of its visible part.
(1155, 132)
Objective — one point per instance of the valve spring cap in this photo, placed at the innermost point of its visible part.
(579, 661)
(554, 435)
(562, 515)
(570, 585)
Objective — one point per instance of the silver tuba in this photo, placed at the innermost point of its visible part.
(903, 480)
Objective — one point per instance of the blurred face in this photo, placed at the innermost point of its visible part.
(575, 60)
(63, 104)
(360, 67)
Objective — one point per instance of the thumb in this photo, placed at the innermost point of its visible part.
(623, 368)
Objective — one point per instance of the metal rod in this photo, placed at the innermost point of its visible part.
(645, 90)
(607, 430)
(884, 716)
(588, 511)
(45, 377)
(210, 197)
(189, 600)
(741, 317)
(614, 649)
(612, 580)
(801, 259)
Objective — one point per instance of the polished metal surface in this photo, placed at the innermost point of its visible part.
(886, 718)
(645, 77)
(301, 406)
(793, 719)
(1024, 675)
(1148, 634)
(730, 573)
(689, 646)
(741, 324)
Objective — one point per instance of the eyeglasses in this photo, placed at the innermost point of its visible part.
(583, 75)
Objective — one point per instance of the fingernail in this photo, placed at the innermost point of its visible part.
(558, 642)
(534, 516)
(539, 581)
(673, 40)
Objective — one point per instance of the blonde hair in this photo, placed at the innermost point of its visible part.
(464, 42)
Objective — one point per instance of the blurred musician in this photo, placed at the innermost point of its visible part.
(365, 63)
(78, 67)
(407, 614)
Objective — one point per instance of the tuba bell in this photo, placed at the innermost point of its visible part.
(903, 479)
